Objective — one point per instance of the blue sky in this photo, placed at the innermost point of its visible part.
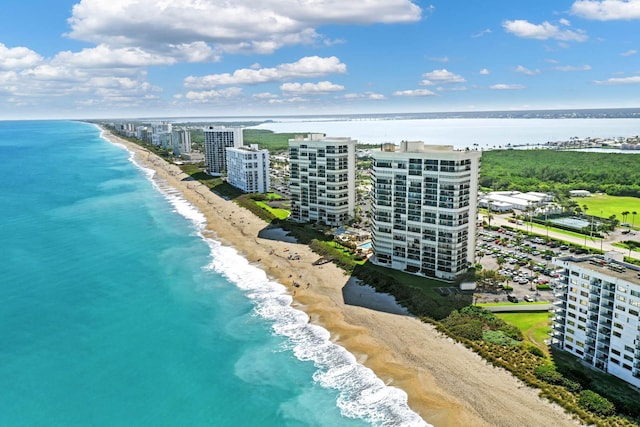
(141, 58)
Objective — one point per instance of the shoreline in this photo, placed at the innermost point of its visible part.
(446, 384)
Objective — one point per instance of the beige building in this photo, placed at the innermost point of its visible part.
(424, 208)
(323, 179)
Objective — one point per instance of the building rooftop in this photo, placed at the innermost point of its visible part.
(607, 265)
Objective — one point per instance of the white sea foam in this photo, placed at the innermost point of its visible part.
(361, 393)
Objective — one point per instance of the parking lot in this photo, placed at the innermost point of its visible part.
(524, 263)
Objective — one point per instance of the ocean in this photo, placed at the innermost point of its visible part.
(117, 311)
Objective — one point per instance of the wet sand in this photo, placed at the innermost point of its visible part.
(447, 384)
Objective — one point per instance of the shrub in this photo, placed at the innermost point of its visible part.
(572, 386)
(512, 332)
(543, 287)
(499, 338)
(536, 351)
(548, 374)
(471, 330)
(592, 401)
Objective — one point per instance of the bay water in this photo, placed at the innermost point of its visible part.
(115, 310)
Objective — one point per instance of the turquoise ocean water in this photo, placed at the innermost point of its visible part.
(114, 310)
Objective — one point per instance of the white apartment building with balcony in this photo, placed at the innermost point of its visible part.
(424, 208)
(216, 142)
(596, 313)
(322, 179)
(248, 169)
(180, 141)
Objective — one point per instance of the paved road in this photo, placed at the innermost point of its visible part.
(603, 244)
(518, 307)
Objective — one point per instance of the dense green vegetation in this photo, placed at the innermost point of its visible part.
(592, 397)
(560, 171)
(274, 142)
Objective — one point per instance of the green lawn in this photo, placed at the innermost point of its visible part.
(277, 212)
(604, 206)
(534, 326)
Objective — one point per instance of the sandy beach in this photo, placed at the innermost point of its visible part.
(447, 384)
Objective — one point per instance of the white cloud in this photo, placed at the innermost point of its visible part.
(452, 89)
(16, 58)
(629, 52)
(442, 76)
(210, 95)
(503, 86)
(311, 88)
(238, 26)
(565, 22)
(307, 67)
(619, 81)
(413, 92)
(584, 67)
(525, 70)
(607, 10)
(366, 95)
(103, 56)
(292, 100)
(544, 31)
(481, 33)
(264, 95)
(485, 72)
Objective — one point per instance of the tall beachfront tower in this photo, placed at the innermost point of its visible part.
(216, 141)
(248, 169)
(424, 208)
(323, 179)
(180, 141)
(597, 313)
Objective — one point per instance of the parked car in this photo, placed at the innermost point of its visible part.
(528, 298)
(512, 298)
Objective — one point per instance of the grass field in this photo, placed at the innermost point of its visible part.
(604, 206)
(534, 326)
(277, 212)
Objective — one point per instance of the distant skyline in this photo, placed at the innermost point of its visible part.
(135, 58)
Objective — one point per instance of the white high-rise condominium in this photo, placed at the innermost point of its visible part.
(180, 141)
(248, 169)
(597, 313)
(424, 208)
(323, 179)
(216, 141)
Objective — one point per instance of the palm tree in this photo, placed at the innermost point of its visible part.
(624, 216)
(633, 218)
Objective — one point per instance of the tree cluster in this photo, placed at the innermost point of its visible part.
(560, 171)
